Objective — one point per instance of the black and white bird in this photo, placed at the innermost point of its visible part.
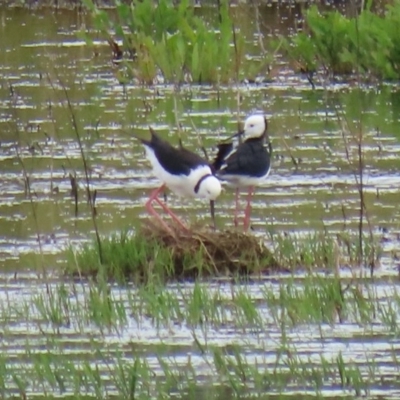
(246, 165)
(185, 173)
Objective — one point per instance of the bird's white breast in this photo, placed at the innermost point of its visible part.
(182, 185)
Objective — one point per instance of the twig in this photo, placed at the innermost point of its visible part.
(359, 179)
(259, 34)
(294, 161)
(235, 46)
(85, 165)
(199, 141)
(177, 122)
(28, 190)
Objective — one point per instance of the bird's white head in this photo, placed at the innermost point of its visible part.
(255, 126)
(210, 188)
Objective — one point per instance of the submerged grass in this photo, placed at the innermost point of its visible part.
(321, 249)
(244, 340)
(316, 249)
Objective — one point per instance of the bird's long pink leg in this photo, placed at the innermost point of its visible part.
(152, 211)
(235, 218)
(247, 212)
(171, 214)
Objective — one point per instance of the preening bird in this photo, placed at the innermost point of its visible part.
(246, 165)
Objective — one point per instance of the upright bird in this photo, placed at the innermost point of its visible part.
(182, 171)
(248, 164)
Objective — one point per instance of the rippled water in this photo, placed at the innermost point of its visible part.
(40, 49)
(370, 348)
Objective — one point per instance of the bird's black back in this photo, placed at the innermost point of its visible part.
(251, 158)
(176, 161)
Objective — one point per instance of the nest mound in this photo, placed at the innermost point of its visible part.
(151, 252)
(199, 251)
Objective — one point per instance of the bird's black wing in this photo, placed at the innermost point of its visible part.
(223, 151)
(175, 161)
(251, 158)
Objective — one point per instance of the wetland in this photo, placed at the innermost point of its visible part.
(319, 330)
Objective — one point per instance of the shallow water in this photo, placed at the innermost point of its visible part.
(30, 340)
(34, 115)
(40, 49)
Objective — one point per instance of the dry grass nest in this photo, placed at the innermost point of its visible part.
(205, 252)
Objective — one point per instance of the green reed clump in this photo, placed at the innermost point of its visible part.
(53, 306)
(323, 250)
(313, 250)
(367, 43)
(291, 370)
(130, 376)
(168, 39)
(125, 256)
(349, 245)
(103, 309)
(317, 299)
(137, 370)
(351, 376)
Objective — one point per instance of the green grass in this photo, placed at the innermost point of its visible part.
(125, 256)
(367, 44)
(156, 255)
(169, 39)
(148, 256)
(320, 249)
(87, 312)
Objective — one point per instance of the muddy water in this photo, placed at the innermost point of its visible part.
(39, 145)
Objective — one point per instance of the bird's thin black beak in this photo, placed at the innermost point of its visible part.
(212, 210)
(240, 133)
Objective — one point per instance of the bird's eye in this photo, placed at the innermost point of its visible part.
(251, 125)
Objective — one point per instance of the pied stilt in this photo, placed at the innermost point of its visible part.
(182, 171)
(246, 165)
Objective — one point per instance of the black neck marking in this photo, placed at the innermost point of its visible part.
(197, 187)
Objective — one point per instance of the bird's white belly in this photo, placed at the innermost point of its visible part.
(243, 181)
(182, 185)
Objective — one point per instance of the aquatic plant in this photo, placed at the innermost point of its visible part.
(293, 250)
(91, 195)
(366, 44)
(366, 250)
(259, 360)
(26, 175)
(169, 40)
(321, 249)
(154, 254)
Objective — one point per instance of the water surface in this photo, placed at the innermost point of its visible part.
(39, 53)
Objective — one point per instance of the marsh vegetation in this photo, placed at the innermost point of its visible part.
(96, 304)
(365, 45)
